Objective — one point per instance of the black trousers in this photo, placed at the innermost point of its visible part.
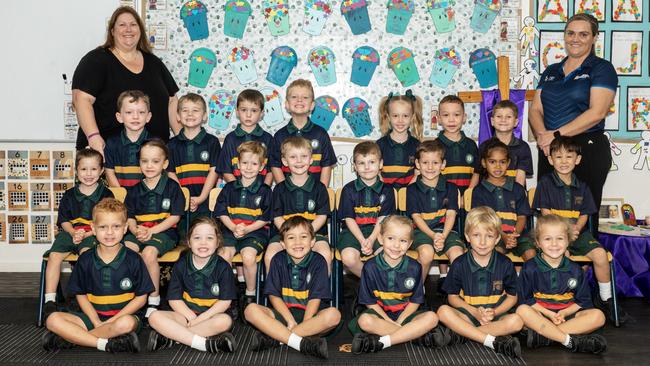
(593, 168)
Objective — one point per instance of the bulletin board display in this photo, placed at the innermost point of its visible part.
(347, 49)
(624, 27)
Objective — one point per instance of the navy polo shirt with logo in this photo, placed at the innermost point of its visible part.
(520, 157)
(322, 151)
(149, 207)
(122, 155)
(297, 283)
(432, 203)
(201, 288)
(191, 161)
(565, 97)
(508, 201)
(569, 201)
(77, 208)
(553, 288)
(229, 160)
(461, 160)
(392, 288)
(307, 201)
(365, 203)
(399, 160)
(482, 286)
(110, 286)
(246, 205)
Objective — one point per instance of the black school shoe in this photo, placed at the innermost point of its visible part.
(124, 343)
(366, 343)
(437, 337)
(507, 345)
(588, 343)
(261, 342)
(536, 340)
(244, 301)
(314, 346)
(158, 341)
(454, 338)
(52, 342)
(607, 307)
(224, 342)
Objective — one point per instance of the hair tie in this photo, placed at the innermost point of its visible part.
(409, 94)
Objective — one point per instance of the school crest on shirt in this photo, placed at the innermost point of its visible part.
(311, 205)
(214, 290)
(382, 198)
(308, 278)
(578, 200)
(469, 158)
(513, 204)
(205, 155)
(126, 284)
(411, 159)
(409, 283)
(257, 201)
(315, 144)
(497, 286)
(166, 203)
(572, 283)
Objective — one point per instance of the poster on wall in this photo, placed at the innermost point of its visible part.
(638, 103)
(627, 11)
(552, 11)
(627, 51)
(611, 121)
(593, 7)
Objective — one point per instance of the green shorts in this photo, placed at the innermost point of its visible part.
(584, 244)
(298, 315)
(347, 240)
(452, 240)
(63, 243)
(475, 321)
(524, 243)
(89, 325)
(247, 242)
(162, 242)
(319, 237)
(354, 328)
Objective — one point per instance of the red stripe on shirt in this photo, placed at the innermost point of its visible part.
(402, 180)
(460, 182)
(365, 220)
(128, 182)
(393, 308)
(298, 306)
(107, 312)
(554, 306)
(192, 180)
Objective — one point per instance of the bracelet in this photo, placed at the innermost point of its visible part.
(88, 137)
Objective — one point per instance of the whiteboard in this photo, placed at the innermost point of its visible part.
(41, 40)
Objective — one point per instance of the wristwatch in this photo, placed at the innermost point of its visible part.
(557, 134)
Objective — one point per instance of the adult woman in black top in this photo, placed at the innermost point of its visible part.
(123, 62)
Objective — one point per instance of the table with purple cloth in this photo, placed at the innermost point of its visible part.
(631, 263)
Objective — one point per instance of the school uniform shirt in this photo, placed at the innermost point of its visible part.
(150, 207)
(322, 151)
(365, 203)
(569, 201)
(553, 288)
(201, 288)
(122, 155)
(77, 208)
(392, 288)
(520, 157)
(482, 286)
(191, 161)
(399, 160)
(110, 286)
(297, 283)
(307, 201)
(508, 201)
(246, 205)
(228, 158)
(432, 203)
(462, 160)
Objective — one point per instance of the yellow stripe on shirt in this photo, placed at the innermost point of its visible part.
(507, 215)
(128, 169)
(299, 295)
(556, 297)
(199, 302)
(433, 215)
(192, 168)
(396, 169)
(152, 217)
(111, 299)
(306, 215)
(365, 210)
(244, 211)
(391, 295)
(458, 170)
(80, 220)
(569, 214)
(481, 300)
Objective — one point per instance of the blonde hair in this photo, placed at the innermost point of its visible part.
(300, 83)
(294, 142)
(482, 216)
(253, 147)
(550, 220)
(396, 220)
(110, 205)
(417, 122)
(194, 98)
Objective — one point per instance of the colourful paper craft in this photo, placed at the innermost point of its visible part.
(364, 62)
(323, 66)
(237, 14)
(195, 19)
(401, 61)
(325, 111)
(202, 62)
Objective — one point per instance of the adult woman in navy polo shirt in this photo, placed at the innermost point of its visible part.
(572, 99)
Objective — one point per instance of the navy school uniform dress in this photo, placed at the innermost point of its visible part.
(462, 160)
(399, 160)
(121, 155)
(228, 159)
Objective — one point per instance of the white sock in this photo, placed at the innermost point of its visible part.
(101, 344)
(50, 297)
(250, 292)
(198, 342)
(489, 341)
(567, 341)
(443, 275)
(294, 341)
(241, 278)
(385, 340)
(149, 311)
(154, 300)
(605, 289)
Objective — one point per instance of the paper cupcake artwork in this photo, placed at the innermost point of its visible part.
(355, 112)
(202, 62)
(283, 61)
(484, 65)
(195, 19)
(442, 14)
(316, 14)
(237, 14)
(401, 61)
(355, 13)
(242, 64)
(276, 13)
(325, 111)
(322, 64)
(446, 62)
(272, 107)
(399, 15)
(221, 105)
(485, 11)
(364, 62)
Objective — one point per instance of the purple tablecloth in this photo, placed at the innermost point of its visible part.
(631, 263)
